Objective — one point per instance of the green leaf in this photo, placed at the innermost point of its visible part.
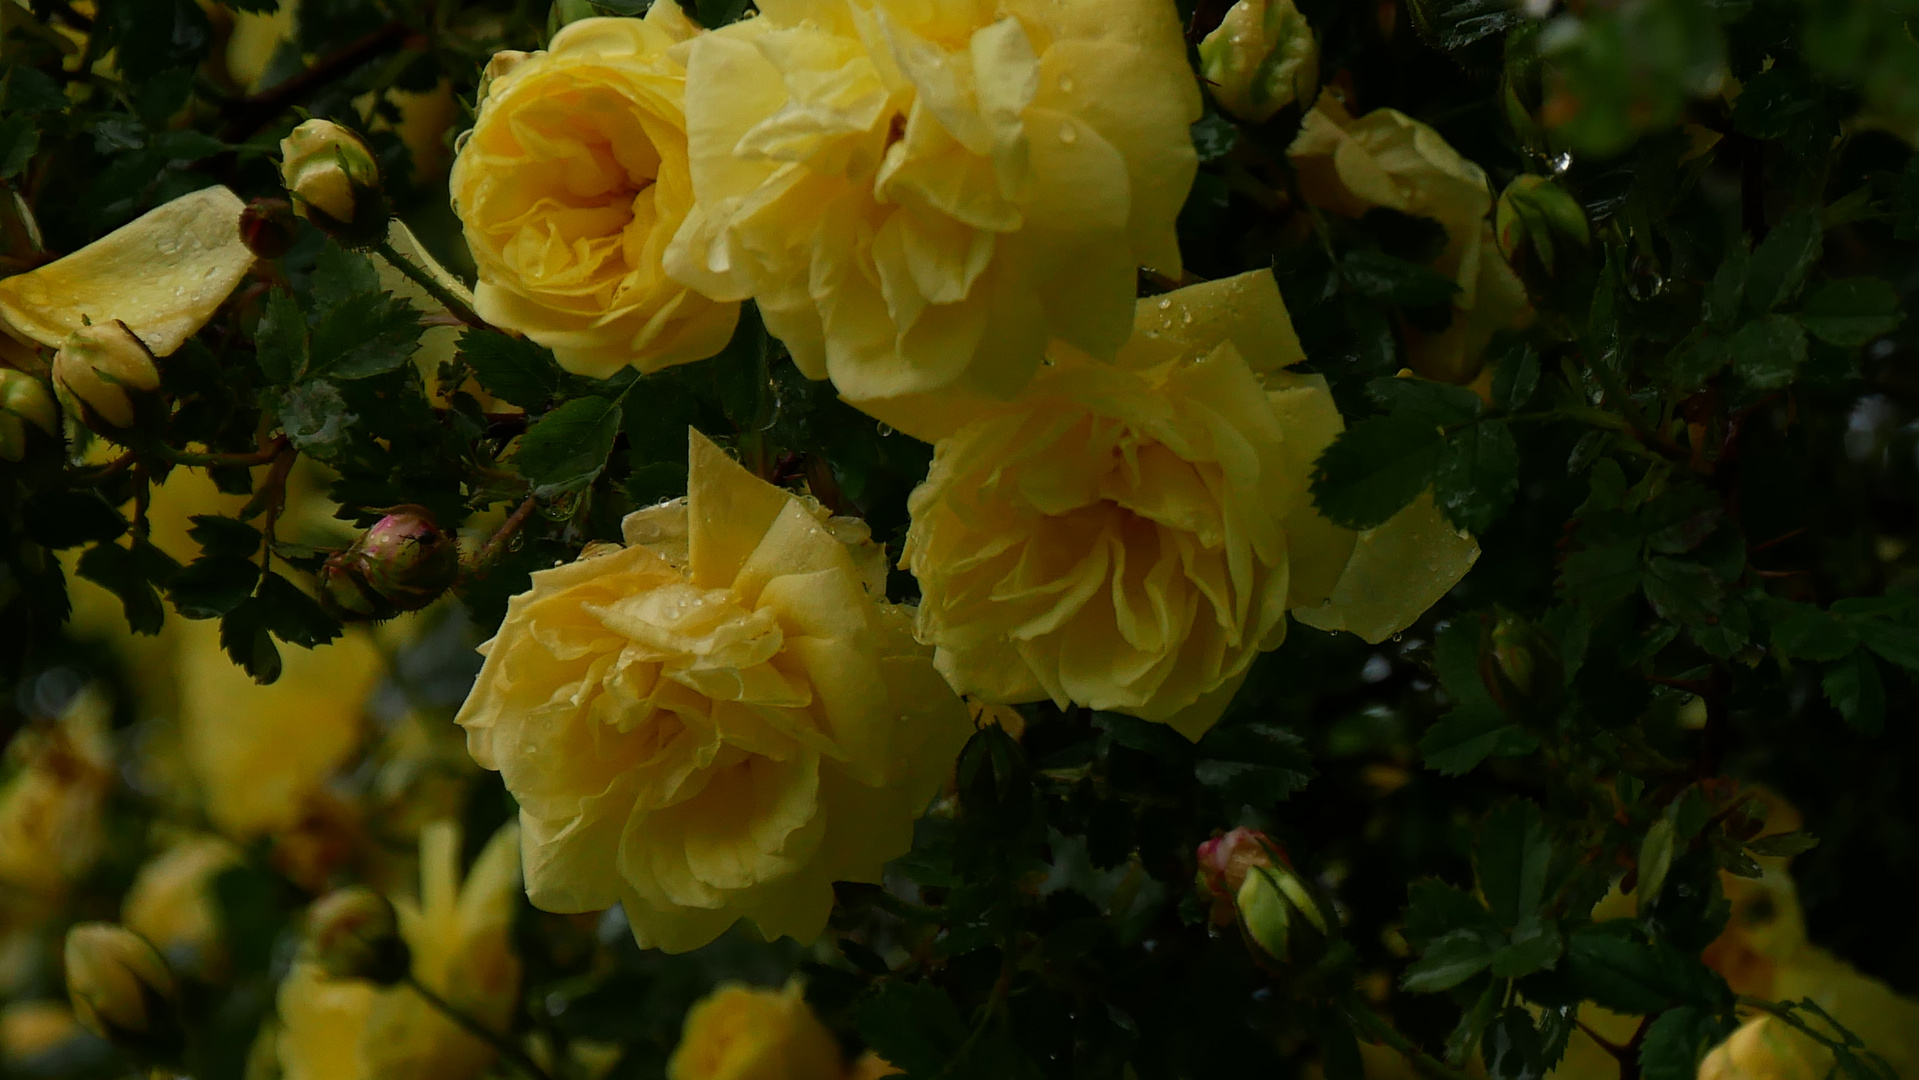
(243, 634)
(292, 615)
(1477, 475)
(1783, 845)
(1339, 1050)
(26, 90)
(1611, 964)
(568, 447)
(1767, 352)
(19, 140)
(1677, 1040)
(1852, 311)
(368, 334)
(1470, 734)
(1253, 763)
(1692, 363)
(1434, 909)
(224, 536)
(315, 418)
(1600, 576)
(1399, 281)
(915, 1026)
(1214, 136)
(1895, 642)
(120, 572)
(339, 275)
(1515, 379)
(1449, 960)
(1535, 947)
(1780, 262)
(1510, 858)
(1512, 1048)
(1684, 592)
(212, 585)
(1423, 399)
(64, 519)
(280, 341)
(1374, 469)
(1727, 292)
(515, 370)
(1807, 633)
(1853, 686)
(1655, 859)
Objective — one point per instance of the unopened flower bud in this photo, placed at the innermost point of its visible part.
(1278, 914)
(106, 376)
(24, 401)
(1260, 59)
(1224, 862)
(353, 933)
(334, 181)
(402, 563)
(1534, 208)
(266, 227)
(122, 991)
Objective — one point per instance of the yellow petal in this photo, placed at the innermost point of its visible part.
(730, 511)
(1396, 572)
(163, 274)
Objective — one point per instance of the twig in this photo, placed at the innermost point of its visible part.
(1376, 1026)
(249, 114)
(498, 541)
(259, 457)
(492, 1038)
(102, 473)
(453, 304)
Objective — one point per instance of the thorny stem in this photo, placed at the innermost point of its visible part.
(142, 495)
(492, 1038)
(498, 541)
(102, 473)
(453, 304)
(1377, 1026)
(273, 497)
(259, 457)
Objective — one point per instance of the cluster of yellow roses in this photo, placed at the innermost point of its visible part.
(943, 208)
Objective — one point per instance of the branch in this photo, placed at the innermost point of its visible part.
(453, 304)
(250, 114)
(480, 1031)
(498, 541)
(1426, 1064)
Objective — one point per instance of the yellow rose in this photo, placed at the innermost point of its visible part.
(570, 184)
(460, 937)
(1130, 536)
(921, 195)
(171, 902)
(1261, 58)
(716, 721)
(51, 805)
(745, 1033)
(1387, 159)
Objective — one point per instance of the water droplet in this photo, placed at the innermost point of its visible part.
(1563, 162)
(1165, 305)
(1068, 135)
(886, 429)
(1066, 84)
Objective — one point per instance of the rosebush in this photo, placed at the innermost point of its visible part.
(828, 539)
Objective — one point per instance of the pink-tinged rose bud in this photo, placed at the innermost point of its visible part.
(266, 227)
(354, 933)
(402, 563)
(1224, 862)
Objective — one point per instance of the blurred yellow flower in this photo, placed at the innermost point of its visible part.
(718, 720)
(29, 1029)
(171, 902)
(748, 1033)
(1387, 159)
(51, 804)
(922, 195)
(459, 935)
(1129, 536)
(570, 184)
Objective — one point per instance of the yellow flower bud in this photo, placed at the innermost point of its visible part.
(122, 991)
(106, 377)
(1260, 59)
(23, 400)
(353, 933)
(1278, 913)
(334, 181)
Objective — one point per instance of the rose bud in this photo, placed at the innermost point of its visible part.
(403, 562)
(106, 376)
(1224, 862)
(24, 400)
(1261, 59)
(1278, 915)
(334, 181)
(266, 227)
(353, 933)
(122, 991)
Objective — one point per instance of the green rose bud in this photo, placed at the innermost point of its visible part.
(24, 401)
(1534, 208)
(1278, 914)
(353, 933)
(106, 376)
(122, 991)
(1260, 59)
(402, 563)
(334, 181)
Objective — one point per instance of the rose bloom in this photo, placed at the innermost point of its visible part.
(921, 195)
(1129, 536)
(460, 939)
(747, 1033)
(172, 904)
(1387, 159)
(570, 184)
(716, 721)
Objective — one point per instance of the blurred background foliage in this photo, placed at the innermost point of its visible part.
(1714, 438)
